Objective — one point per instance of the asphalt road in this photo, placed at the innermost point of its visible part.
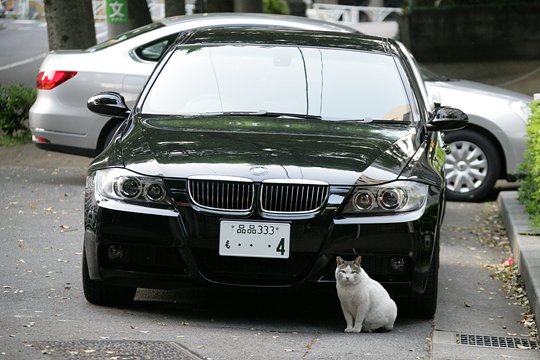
(43, 313)
(23, 46)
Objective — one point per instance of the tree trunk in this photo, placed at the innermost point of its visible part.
(70, 24)
(138, 13)
(249, 6)
(219, 6)
(175, 7)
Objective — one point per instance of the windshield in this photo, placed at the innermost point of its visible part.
(329, 84)
(125, 36)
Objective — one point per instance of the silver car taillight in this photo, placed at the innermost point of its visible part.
(48, 80)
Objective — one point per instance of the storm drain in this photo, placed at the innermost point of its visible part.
(496, 342)
(114, 350)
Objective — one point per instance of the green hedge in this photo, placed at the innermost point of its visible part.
(15, 103)
(276, 7)
(529, 190)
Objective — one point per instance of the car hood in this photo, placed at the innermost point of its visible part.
(268, 148)
(471, 88)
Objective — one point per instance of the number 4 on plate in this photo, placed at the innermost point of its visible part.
(281, 247)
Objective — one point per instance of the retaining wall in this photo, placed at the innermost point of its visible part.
(473, 33)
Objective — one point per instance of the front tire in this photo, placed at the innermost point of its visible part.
(424, 306)
(110, 135)
(472, 167)
(99, 293)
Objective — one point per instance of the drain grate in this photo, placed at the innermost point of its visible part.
(496, 342)
(114, 349)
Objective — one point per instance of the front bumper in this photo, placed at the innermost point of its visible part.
(172, 248)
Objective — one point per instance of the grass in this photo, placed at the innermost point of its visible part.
(16, 140)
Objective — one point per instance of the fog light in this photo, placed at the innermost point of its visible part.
(115, 252)
(398, 264)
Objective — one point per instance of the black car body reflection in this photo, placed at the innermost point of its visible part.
(253, 158)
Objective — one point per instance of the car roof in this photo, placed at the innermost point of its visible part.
(170, 25)
(254, 18)
(257, 36)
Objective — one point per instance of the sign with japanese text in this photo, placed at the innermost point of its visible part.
(117, 11)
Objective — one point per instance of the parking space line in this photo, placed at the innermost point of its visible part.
(22, 62)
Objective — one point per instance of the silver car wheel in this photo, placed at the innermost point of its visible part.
(466, 167)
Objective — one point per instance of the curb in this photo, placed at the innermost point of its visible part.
(525, 247)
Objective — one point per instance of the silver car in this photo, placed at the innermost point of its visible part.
(59, 120)
(491, 146)
(487, 150)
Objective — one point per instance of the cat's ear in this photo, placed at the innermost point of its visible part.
(357, 261)
(339, 260)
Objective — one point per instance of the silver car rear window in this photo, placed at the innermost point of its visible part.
(125, 36)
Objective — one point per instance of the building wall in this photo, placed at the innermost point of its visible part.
(473, 33)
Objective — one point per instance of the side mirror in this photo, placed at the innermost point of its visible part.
(446, 119)
(108, 104)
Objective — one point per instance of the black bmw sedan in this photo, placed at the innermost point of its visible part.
(253, 158)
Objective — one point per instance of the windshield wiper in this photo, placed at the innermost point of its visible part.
(234, 113)
(365, 120)
(300, 116)
(263, 113)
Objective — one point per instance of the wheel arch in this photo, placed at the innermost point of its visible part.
(110, 126)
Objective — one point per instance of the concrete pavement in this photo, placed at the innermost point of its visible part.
(52, 312)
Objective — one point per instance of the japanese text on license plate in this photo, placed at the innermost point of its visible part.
(254, 239)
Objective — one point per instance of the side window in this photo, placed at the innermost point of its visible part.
(152, 51)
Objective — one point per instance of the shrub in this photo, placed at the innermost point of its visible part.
(529, 190)
(276, 7)
(15, 103)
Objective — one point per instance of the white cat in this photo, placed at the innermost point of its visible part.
(365, 303)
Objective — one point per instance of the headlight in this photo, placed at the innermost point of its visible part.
(398, 196)
(521, 109)
(121, 184)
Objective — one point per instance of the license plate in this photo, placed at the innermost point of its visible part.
(254, 239)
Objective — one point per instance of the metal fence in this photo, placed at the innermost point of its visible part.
(351, 15)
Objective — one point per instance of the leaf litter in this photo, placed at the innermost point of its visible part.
(492, 233)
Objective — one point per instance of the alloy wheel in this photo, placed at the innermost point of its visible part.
(466, 167)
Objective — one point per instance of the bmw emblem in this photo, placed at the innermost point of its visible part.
(258, 170)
